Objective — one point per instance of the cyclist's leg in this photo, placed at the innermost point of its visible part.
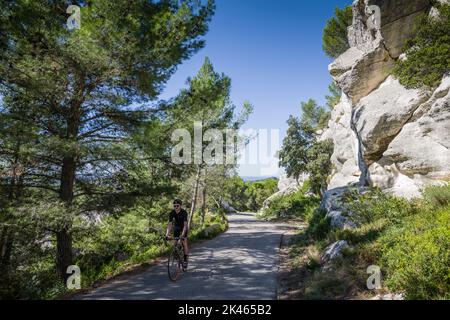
(186, 247)
(176, 234)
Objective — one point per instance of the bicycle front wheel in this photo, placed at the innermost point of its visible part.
(174, 266)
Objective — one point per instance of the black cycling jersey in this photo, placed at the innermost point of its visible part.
(178, 219)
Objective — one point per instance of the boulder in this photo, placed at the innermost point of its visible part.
(381, 115)
(290, 184)
(333, 203)
(210, 231)
(227, 207)
(358, 73)
(334, 251)
(389, 296)
(339, 221)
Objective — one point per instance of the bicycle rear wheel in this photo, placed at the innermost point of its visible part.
(174, 267)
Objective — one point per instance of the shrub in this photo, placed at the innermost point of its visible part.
(234, 191)
(319, 225)
(258, 191)
(437, 196)
(374, 205)
(416, 256)
(296, 205)
(319, 167)
(428, 51)
(409, 240)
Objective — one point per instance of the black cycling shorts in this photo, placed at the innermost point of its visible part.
(177, 231)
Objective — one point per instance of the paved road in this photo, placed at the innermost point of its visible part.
(239, 264)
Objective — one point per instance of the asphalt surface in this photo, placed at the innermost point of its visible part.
(240, 264)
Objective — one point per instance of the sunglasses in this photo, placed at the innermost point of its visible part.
(176, 205)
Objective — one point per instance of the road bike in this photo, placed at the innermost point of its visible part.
(175, 260)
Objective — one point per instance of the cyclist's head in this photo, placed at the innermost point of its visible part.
(177, 203)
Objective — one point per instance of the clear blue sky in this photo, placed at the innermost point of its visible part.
(272, 50)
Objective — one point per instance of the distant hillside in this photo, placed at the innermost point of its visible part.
(254, 179)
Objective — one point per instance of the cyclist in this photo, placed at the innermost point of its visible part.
(178, 221)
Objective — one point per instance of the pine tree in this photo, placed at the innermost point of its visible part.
(334, 39)
(91, 88)
(206, 100)
(302, 152)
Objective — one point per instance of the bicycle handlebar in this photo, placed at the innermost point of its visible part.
(176, 238)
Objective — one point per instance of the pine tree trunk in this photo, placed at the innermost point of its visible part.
(204, 199)
(5, 250)
(203, 205)
(64, 252)
(3, 231)
(64, 256)
(194, 197)
(7, 235)
(63, 237)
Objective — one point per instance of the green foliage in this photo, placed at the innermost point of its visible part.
(258, 191)
(293, 155)
(215, 224)
(437, 196)
(319, 164)
(409, 240)
(85, 148)
(334, 39)
(318, 225)
(302, 152)
(374, 205)
(293, 206)
(334, 97)
(314, 117)
(416, 255)
(249, 196)
(234, 190)
(74, 101)
(428, 51)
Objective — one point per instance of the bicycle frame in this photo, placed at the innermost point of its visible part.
(177, 253)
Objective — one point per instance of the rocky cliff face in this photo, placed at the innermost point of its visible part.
(386, 135)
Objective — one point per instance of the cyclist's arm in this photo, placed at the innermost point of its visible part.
(169, 229)
(169, 226)
(184, 233)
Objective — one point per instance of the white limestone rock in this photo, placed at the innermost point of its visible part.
(381, 115)
(227, 207)
(385, 135)
(345, 155)
(334, 251)
(420, 154)
(375, 42)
